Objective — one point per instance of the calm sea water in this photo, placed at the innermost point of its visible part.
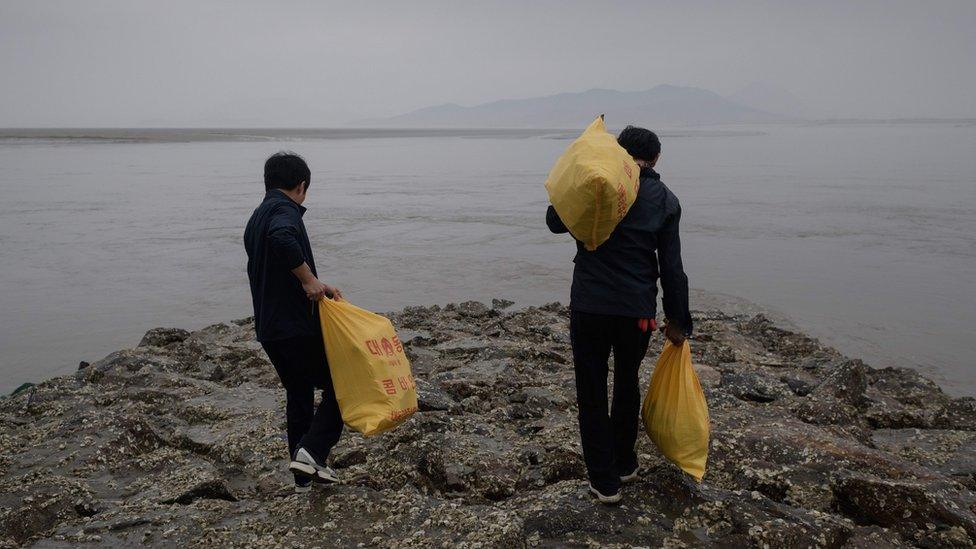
(863, 235)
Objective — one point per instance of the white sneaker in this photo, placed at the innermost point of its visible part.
(603, 498)
(303, 486)
(305, 464)
(631, 477)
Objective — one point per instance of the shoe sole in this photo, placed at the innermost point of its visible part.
(322, 477)
(606, 500)
(308, 470)
(629, 478)
(302, 468)
(303, 489)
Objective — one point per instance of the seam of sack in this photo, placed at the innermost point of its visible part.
(596, 219)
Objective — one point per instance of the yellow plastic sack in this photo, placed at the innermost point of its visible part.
(675, 412)
(370, 372)
(593, 185)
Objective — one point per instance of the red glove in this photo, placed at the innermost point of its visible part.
(646, 324)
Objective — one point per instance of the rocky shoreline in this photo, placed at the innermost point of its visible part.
(180, 441)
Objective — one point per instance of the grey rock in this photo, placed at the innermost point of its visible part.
(949, 452)
(906, 385)
(543, 398)
(798, 383)
(562, 464)
(946, 537)
(827, 411)
(783, 342)
(903, 505)
(211, 371)
(161, 337)
(754, 386)
(501, 304)
(475, 309)
(802, 454)
(846, 382)
(431, 398)
(348, 457)
(886, 412)
(414, 337)
(211, 489)
(959, 414)
(875, 537)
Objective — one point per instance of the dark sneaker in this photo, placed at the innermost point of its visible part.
(631, 476)
(303, 484)
(605, 499)
(305, 464)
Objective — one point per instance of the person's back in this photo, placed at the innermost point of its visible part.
(613, 307)
(620, 277)
(281, 308)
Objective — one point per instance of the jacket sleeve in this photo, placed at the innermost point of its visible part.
(674, 282)
(555, 224)
(283, 240)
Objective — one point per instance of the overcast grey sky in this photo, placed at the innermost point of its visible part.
(318, 63)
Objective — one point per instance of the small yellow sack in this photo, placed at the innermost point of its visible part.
(675, 412)
(593, 185)
(370, 372)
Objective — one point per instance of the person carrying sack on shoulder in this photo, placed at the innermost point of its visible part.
(285, 289)
(613, 305)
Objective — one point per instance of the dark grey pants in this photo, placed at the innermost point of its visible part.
(302, 367)
(608, 435)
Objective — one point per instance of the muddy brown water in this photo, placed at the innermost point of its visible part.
(861, 234)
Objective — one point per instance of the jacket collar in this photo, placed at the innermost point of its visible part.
(277, 194)
(649, 172)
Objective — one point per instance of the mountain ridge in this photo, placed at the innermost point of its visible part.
(664, 104)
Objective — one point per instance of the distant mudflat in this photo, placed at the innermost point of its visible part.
(188, 135)
(196, 135)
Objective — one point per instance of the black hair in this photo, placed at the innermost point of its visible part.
(640, 143)
(286, 170)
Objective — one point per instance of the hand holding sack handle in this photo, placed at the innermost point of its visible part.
(675, 412)
(370, 371)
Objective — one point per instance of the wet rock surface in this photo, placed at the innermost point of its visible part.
(180, 442)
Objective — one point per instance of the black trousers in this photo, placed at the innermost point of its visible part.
(608, 435)
(302, 367)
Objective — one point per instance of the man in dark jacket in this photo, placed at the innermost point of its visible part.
(613, 305)
(285, 289)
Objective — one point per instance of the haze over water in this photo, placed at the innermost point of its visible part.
(862, 234)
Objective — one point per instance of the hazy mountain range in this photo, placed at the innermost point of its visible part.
(661, 105)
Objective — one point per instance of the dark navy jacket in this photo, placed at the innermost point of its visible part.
(276, 242)
(620, 276)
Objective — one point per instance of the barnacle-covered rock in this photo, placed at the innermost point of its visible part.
(180, 441)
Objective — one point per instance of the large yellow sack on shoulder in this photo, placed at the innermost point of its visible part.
(370, 372)
(675, 412)
(593, 185)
